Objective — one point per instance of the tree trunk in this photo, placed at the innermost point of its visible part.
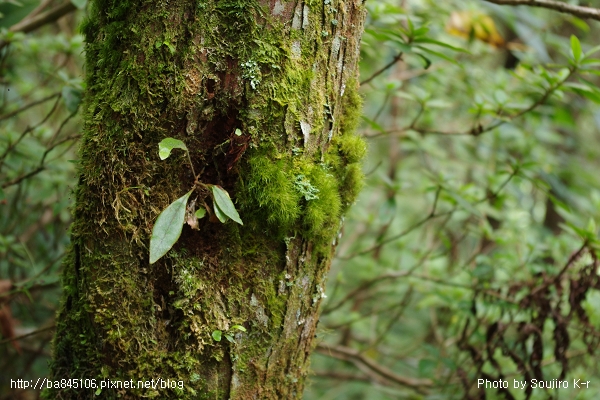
(284, 75)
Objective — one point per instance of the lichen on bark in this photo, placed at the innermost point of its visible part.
(284, 74)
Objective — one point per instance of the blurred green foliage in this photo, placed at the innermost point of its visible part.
(40, 83)
(482, 184)
(471, 252)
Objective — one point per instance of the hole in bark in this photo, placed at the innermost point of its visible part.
(210, 88)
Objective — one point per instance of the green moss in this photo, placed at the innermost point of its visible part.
(321, 215)
(352, 108)
(353, 148)
(272, 195)
(353, 183)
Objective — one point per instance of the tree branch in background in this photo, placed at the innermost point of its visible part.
(478, 128)
(36, 19)
(36, 332)
(27, 106)
(397, 58)
(369, 367)
(41, 167)
(29, 129)
(579, 11)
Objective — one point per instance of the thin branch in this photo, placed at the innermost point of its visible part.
(27, 106)
(27, 335)
(394, 319)
(432, 215)
(35, 21)
(41, 166)
(478, 128)
(374, 370)
(397, 58)
(372, 282)
(579, 11)
(574, 257)
(40, 8)
(29, 129)
(341, 376)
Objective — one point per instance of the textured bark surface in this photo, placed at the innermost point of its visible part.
(284, 74)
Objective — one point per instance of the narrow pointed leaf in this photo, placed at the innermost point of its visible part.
(224, 203)
(168, 144)
(239, 328)
(576, 48)
(167, 228)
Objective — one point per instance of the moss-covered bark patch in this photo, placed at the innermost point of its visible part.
(284, 75)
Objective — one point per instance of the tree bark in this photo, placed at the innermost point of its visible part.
(283, 73)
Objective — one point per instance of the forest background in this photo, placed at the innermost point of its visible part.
(472, 250)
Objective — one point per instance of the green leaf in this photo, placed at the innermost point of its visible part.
(216, 335)
(576, 48)
(220, 214)
(239, 328)
(72, 97)
(461, 201)
(223, 203)
(426, 61)
(229, 337)
(201, 212)
(592, 51)
(79, 3)
(591, 227)
(168, 144)
(437, 54)
(427, 367)
(441, 44)
(170, 46)
(167, 228)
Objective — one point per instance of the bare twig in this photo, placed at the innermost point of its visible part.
(29, 129)
(27, 335)
(574, 257)
(478, 128)
(432, 215)
(372, 369)
(27, 106)
(41, 7)
(397, 58)
(341, 376)
(394, 319)
(41, 166)
(579, 11)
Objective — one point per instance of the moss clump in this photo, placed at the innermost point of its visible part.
(353, 148)
(321, 214)
(270, 187)
(353, 184)
(352, 108)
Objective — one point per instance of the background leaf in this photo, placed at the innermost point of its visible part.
(576, 48)
(72, 98)
(79, 3)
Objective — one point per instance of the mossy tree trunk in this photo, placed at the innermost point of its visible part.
(284, 74)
